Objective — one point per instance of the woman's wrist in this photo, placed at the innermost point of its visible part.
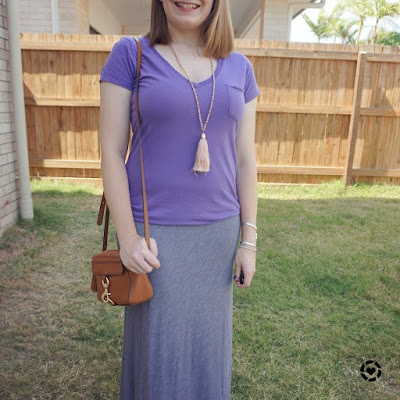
(130, 235)
(249, 231)
(246, 247)
(249, 236)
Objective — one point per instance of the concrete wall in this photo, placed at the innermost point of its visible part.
(9, 183)
(103, 19)
(82, 16)
(253, 30)
(276, 20)
(276, 24)
(73, 16)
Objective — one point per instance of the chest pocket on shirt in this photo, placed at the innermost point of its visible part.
(236, 101)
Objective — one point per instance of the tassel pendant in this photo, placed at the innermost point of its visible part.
(202, 160)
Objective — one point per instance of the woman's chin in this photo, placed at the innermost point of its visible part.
(183, 25)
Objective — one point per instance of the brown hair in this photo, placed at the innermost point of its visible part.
(217, 31)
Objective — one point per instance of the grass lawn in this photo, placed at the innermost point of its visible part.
(324, 299)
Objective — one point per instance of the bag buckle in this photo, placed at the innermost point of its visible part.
(105, 297)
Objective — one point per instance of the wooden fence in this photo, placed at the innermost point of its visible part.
(325, 110)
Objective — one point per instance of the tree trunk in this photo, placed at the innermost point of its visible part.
(359, 30)
(374, 31)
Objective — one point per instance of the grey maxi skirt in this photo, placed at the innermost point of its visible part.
(178, 345)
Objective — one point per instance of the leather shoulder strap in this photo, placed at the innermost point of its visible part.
(144, 198)
(103, 204)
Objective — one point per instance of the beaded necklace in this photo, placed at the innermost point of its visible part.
(202, 158)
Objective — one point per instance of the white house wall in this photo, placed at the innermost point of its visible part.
(119, 17)
(9, 182)
(82, 16)
(35, 16)
(73, 16)
(276, 20)
(103, 19)
(252, 31)
(133, 17)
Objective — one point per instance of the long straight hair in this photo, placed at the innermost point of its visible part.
(217, 30)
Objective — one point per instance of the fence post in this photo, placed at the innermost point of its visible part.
(355, 116)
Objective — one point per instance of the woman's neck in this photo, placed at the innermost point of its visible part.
(187, 38)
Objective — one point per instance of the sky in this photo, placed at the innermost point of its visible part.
(301, 32)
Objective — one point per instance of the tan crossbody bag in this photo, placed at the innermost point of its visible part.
(113, 282)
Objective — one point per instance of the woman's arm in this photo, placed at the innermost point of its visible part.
(246, 175)
(246, 180)
(114, 137)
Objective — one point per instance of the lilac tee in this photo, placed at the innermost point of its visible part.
(170, 131)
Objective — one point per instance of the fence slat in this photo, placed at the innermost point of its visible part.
(355, 116)
(315, 118)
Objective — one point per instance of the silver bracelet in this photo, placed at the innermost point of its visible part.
(248, 248)
(254, 238)
(250, 224)
(248, 243)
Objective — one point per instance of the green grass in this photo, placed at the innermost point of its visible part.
(325, 298)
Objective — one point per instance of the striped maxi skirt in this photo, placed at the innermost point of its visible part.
(178, 345)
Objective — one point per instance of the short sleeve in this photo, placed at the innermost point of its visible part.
(120, 66)
(251, 89)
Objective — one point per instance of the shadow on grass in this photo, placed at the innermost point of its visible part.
(323, 300)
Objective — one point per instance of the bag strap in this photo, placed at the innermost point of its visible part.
(103, 204)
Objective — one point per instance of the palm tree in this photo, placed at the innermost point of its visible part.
(362, 9)
(341, 27)
(334, 25)
(343, 31)
(322, 29)
(382, 9)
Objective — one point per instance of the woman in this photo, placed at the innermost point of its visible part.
(197, 119)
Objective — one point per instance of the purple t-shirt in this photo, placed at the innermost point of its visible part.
(170, 131)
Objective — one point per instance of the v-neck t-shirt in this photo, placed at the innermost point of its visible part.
(170, 131)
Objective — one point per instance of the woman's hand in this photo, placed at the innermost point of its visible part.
(136, 256)
(245, 260)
